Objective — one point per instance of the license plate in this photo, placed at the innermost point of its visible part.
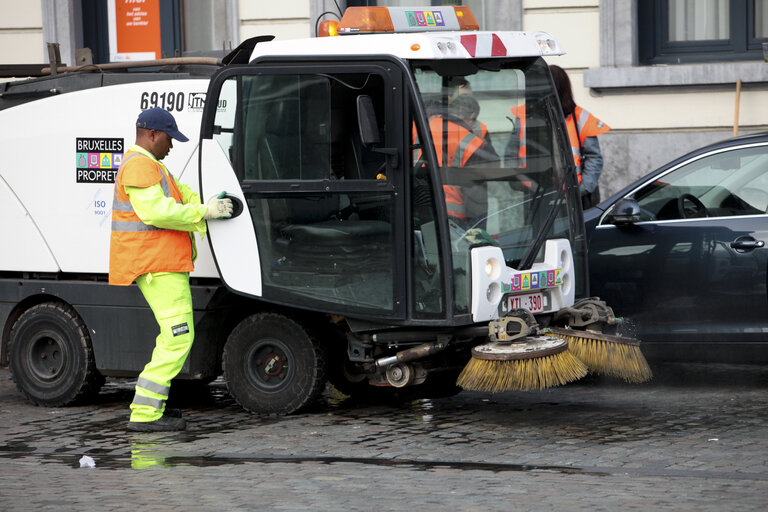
(533, 302)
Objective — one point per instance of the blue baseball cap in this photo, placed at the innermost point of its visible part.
(157, 118)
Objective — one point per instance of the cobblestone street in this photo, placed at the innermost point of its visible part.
(695, 438)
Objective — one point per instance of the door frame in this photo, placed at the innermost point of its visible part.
(392, 72)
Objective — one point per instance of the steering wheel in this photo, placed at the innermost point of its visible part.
(697, 210)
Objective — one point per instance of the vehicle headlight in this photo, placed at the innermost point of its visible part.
(493, 268)
(493, 293)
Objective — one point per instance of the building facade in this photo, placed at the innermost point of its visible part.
(662, 73)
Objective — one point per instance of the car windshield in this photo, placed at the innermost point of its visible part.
(498, 142)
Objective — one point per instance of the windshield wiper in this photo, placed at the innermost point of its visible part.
(526, 261)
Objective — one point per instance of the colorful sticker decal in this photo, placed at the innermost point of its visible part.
(533, 281)
(425, 18)
(97, 159)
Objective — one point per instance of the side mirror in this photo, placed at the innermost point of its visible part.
(626, 211)
(366, 120)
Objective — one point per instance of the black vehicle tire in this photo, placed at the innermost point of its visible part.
(51, 358)
(273, 365)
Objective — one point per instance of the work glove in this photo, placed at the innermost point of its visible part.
(480, 236)
(219, 207)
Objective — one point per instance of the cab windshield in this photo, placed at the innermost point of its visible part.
(497, 139)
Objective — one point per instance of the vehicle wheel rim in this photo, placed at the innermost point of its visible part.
(46, 357)
(269, 365)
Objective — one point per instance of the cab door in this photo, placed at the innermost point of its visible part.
(321, 226)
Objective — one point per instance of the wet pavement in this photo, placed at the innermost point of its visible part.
(695, 438)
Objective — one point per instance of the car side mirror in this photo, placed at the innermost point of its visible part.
(626, 211)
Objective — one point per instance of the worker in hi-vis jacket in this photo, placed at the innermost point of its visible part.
(152, 243)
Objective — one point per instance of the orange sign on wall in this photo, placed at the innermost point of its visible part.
(136, 30)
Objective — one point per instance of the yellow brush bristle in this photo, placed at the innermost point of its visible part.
(521, 374)
(608, 358)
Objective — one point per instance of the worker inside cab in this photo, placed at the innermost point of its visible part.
(455, 128)
(460, 141)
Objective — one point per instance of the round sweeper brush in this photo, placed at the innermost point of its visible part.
(606, 354)
(532, 362)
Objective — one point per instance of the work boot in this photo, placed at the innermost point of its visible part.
(173, 413)
(164, 424)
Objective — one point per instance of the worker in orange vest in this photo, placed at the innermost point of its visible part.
(583, 129)
(153, 219)
(467, 109)
(453, 134)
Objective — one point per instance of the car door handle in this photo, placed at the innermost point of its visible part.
(746, 244)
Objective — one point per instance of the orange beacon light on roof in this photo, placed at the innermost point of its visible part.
(358, 20)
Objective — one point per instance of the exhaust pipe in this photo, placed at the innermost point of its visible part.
(411, 354)
(397, 370)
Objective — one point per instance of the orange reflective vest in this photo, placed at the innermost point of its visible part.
(136, 248)
(586, 125)
(461, 142)
(461, 145)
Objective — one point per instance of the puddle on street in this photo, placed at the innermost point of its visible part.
(146, 458)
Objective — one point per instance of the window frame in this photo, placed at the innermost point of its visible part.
(655, 48)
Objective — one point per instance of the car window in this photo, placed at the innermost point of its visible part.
(722, 184)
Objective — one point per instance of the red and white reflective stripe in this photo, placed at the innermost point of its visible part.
(484, 45)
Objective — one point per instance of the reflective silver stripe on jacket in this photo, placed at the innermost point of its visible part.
(126, 206)
(461, 148)
(582, 121)
(135, 226)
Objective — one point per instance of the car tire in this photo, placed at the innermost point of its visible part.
(273, 365)
(51, 357)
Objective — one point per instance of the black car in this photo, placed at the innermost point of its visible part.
(681, 255)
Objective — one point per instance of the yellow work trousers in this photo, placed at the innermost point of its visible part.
(169, 296)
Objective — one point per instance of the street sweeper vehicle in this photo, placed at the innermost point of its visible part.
(406, 215)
